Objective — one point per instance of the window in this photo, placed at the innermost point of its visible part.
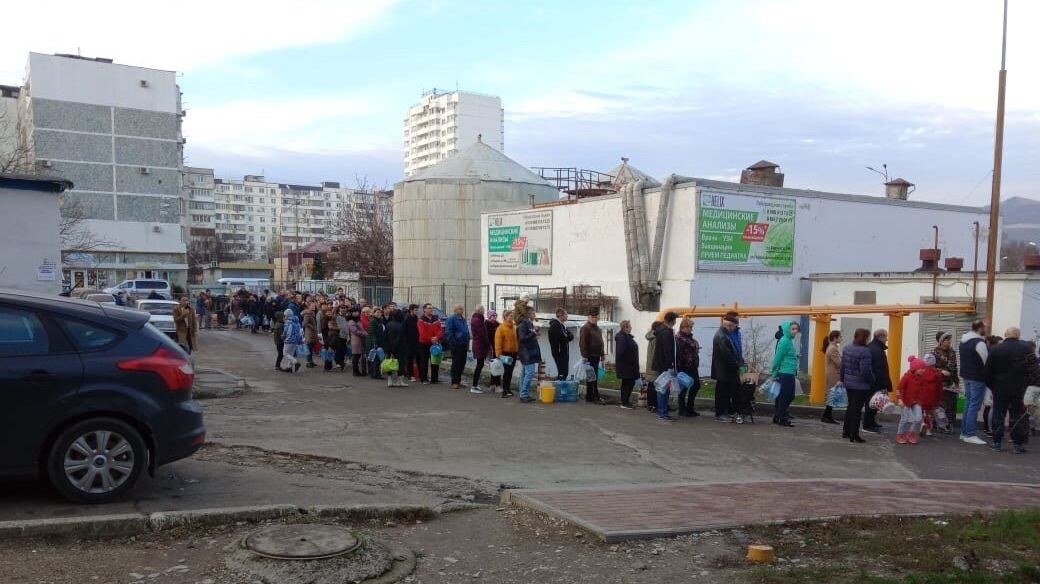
(21, 333)
(864, 297)
(89, 336)
(249, 189)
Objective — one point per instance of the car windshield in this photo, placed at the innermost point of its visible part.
(156, 308)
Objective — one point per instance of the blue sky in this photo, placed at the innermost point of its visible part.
(318, 91)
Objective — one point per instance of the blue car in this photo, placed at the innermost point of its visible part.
(93, 396)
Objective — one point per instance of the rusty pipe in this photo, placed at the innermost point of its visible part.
(935, 270)
(975, 271)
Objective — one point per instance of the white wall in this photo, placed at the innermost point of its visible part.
(137, 236)
(1009, 306)
(87, 81)
(834, 233)
(28, 237)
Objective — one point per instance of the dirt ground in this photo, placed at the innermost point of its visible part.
(512, 546)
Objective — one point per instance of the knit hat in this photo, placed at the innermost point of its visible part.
(288, 312)
(939, 336)
(492, 314)
(732, 319)
(916, 363)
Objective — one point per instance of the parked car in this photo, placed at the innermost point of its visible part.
(101, 298)
(142, 288)
(160, 315)
(93, 396)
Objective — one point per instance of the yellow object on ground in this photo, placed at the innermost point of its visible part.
(547, 394)
(760, 553)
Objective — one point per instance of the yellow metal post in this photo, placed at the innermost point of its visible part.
(895, 349)
(818, 387)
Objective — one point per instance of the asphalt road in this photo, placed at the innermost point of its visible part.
(324, 438)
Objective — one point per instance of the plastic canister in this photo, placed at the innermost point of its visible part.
(547, 393)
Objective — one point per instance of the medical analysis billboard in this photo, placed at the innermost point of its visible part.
(520, 242)
(745, 233)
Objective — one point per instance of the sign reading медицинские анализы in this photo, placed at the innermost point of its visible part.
(745, 233)
(520, 242)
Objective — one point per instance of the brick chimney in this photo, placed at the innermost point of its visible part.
(1032, 263)
(762, 173)
(930, 260)
(954, 264)
(898, 189)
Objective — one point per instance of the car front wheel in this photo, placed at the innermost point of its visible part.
(96, 460)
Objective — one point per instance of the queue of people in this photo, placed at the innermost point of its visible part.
(992, 373)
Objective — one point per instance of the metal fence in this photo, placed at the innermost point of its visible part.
(506, 295)
(444, 296)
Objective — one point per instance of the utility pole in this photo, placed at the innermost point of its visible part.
(998, 158)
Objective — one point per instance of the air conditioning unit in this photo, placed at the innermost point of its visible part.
(144, 83)
(157, 228)
(144, 170)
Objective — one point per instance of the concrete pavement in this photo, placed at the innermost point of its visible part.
(436, 430)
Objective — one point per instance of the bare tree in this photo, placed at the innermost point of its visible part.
(1013, 254)
(15, 153)
(758, 345)
(365, 240)
(73, 232)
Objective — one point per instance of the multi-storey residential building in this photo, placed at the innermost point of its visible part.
(114, 131)
(198, 187)
(257, 219)
(442, 123)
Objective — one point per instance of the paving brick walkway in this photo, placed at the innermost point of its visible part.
(616, 514)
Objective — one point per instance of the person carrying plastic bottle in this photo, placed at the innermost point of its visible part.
(456, 332)
(430, 333)
(506, 348)
(784, 369)
(590, 343)
(530, 353)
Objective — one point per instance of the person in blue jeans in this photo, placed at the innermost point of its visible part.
(973, 355)
(530, 353)
(783, 369)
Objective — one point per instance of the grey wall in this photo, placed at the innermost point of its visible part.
(28, 237)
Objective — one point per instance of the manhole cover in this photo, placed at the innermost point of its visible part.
(302, 542)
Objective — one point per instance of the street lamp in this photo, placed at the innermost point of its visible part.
(883, 174)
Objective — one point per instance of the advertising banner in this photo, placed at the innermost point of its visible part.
(520, 242)
(745, 233)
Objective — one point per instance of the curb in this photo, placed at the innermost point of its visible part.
(236, 385)
(128, 524)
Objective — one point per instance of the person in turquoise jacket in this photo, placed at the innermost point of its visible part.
(783, 369)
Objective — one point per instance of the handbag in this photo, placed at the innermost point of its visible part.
(302, 350)
(390, 365)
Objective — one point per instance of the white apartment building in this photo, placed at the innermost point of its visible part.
(442, 124)
(257, 219)
(115, 131)
(198, 188)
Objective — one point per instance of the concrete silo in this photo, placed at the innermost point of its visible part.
(437, 217)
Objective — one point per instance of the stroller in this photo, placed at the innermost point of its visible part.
(744, 400)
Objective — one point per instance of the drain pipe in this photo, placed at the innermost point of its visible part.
(663, 205)
(642, 241)
(631, 255)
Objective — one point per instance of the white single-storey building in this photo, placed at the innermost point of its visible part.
(721, 243)
(30, 242)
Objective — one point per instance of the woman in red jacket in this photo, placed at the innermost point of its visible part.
(920, 390)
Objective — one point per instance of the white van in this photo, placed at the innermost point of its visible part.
(251, 284)
(142, 288)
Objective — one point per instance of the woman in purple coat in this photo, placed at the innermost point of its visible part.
(478, 332)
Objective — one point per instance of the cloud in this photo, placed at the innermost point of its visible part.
(179, 36)
(260, 127)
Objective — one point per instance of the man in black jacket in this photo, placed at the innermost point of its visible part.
(725, 369)
(1010, 368)
(882, 380)
(664, 350)
(559, 343)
